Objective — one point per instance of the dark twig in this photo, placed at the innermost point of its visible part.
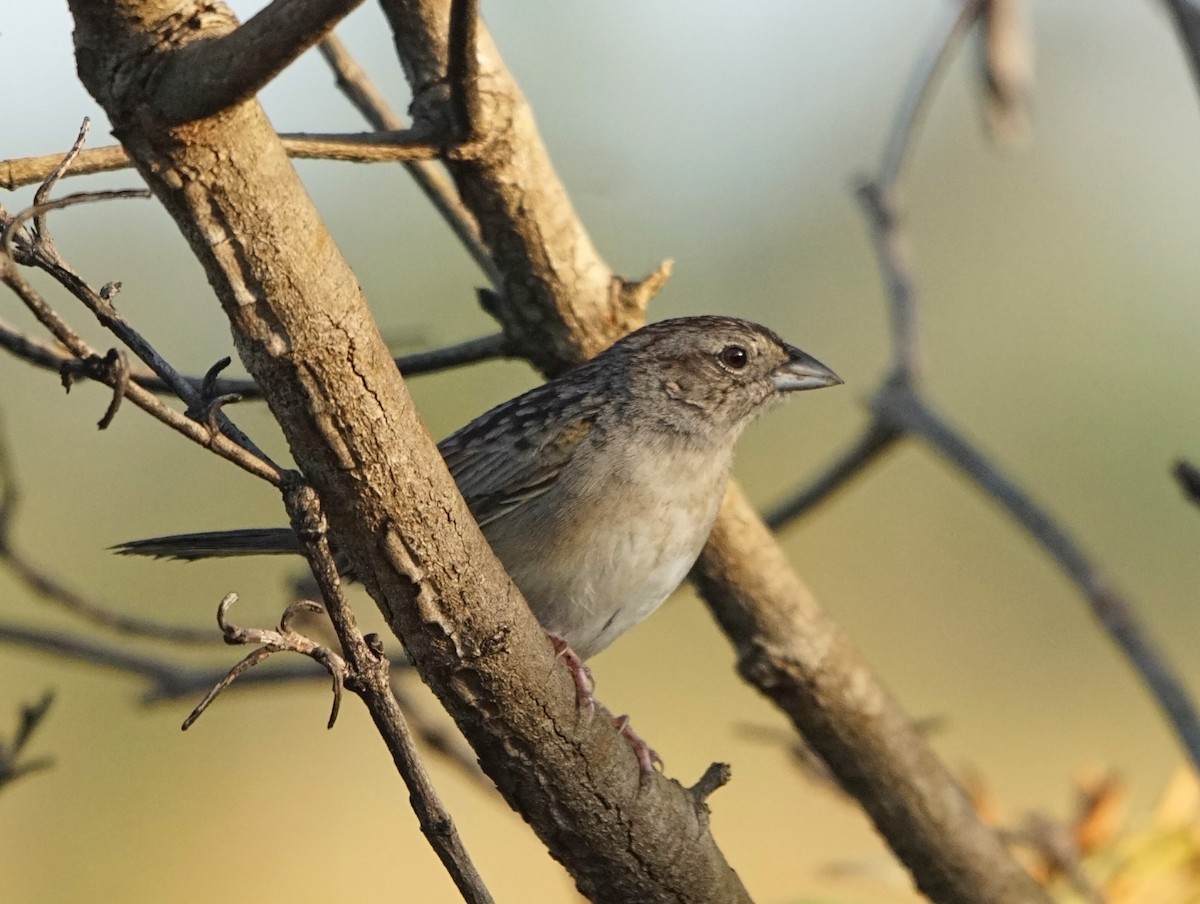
(437, 360)
(49, 588)
(1186, 15)
(43, 254)
(891, 251)
(164, 676)
(46, 586)
(876, 195)
(941, 49)
(42, 196)
(369, 679)
(117, 365)
(717, 775)
(875, 440)
(12, 766)
(198, 433)
(1187, 475)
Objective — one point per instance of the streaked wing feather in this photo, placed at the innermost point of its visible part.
(496, 477)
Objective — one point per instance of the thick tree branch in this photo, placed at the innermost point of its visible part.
(557, 299)
(561, 303)
(303, 330)
(217, 65)
(793, 652)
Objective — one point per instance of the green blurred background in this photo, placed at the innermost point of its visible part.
(1061, 321)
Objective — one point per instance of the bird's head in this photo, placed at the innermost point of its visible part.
(706, 374)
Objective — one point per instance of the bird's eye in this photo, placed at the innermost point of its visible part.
(734, 357)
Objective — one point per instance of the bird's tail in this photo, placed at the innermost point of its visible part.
(254, 541)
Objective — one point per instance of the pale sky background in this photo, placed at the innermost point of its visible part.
(1060, 319)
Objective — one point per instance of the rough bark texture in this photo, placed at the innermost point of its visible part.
(563, 303)
(304, 332)
(804, 663)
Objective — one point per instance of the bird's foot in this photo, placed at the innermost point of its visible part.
(584, 684)
(586, 700)
(646, 755)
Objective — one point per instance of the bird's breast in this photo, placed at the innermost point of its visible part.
(606, 546)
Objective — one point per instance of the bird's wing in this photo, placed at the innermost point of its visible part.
(515, 453)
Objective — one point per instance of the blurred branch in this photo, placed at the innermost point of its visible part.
(943, 44)
(1006, 57)
(873, 442)
(1186, 16)
(12, 767)
(1187, 475)
(902, 407)
(899, 412)
(45, 585)
(171, 681)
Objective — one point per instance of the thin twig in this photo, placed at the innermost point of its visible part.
(1187, 475)
(371, 682)
(437, 360)
(873, 442)
(386, 145)
(198, 433)
(165, 676)
(909, 115)
(46, 257)
(12, 766)
(283, 639)
(353, 81)
(875, 195)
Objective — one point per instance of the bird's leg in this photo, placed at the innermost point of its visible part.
(586, 699)
(580, 672)
(646, 755)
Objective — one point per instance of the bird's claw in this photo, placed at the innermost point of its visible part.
(647, 756)
(585, 698)
(580, 673)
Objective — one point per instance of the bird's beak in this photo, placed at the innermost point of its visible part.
(802, 371)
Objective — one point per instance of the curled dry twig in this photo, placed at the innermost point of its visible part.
(280, 640)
